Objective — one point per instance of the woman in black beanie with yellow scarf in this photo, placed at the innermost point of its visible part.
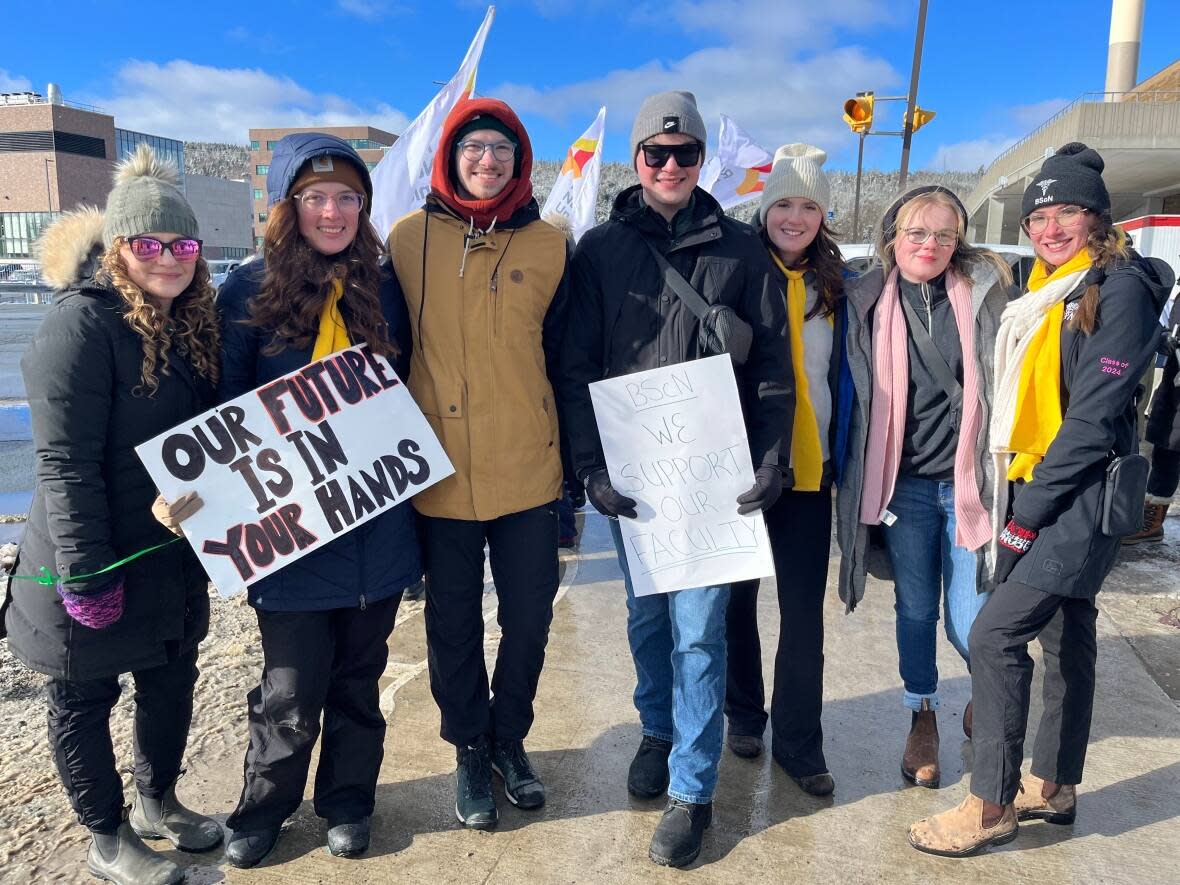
(1069, 355)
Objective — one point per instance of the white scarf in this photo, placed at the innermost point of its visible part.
(1019, 322)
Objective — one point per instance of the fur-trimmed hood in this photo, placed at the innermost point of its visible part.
(70, 248)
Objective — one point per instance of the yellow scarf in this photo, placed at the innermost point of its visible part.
(333, 334)
(1038, 403)
(807, 455)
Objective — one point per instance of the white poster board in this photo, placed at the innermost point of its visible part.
(288, 467)
(674, 441)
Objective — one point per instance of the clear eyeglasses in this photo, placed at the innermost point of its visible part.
(919, 235)
(503, 151)
(348, 202)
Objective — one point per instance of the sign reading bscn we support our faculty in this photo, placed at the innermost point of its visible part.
(289, 466)
(675, 442)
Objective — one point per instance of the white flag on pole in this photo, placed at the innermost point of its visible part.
(575, 193)
(738, 172)
(401, 180)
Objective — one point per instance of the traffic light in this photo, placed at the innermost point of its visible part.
(858, 113)
(920, 118)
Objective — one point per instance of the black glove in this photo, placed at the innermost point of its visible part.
(1015, 541)
(576, 492)
(605, 499)
(768, 485)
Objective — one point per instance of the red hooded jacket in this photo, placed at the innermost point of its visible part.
(519, 190)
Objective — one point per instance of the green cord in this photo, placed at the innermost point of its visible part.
(49, 579)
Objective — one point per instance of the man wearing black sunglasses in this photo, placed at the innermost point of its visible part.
(626, 317)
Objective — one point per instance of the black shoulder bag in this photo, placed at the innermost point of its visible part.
(722, 330)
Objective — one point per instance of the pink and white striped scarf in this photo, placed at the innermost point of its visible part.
(891, 379)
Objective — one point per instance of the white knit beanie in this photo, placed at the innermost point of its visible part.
(796, 173)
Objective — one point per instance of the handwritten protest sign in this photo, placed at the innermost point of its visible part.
(297, 462)
(675, 442)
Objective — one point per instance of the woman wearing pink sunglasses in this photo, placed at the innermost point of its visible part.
(128, 350)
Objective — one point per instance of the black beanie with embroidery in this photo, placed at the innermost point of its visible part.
(1071, 177)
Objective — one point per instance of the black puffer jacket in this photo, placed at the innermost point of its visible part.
(1163, 421)
(624, 319)
(1099, 374)
(92, 502)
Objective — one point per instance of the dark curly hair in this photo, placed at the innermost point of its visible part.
(299, 278)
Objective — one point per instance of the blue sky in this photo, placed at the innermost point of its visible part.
(781, 68)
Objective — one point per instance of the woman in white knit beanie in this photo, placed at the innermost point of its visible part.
(811, 273)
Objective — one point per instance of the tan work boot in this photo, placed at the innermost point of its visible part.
(919, 763)
(1031, 803)
(1153, 524)
(960, 831)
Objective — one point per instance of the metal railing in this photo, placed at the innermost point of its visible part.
(1129, 97)
(18, 99)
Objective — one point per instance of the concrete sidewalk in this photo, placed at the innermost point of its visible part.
(1128, 826)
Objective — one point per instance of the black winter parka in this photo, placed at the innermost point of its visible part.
(1163, 422)
(93, 498)
(1099, 374)
(623, 318)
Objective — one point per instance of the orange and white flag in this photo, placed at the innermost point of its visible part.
(738, 171)
(575, 193)
(401, 181)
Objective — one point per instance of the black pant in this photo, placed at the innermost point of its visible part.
(316, 662)
(80, 735)
(1001, 675)
(1165, 472)
(800, 530)
(523, 549)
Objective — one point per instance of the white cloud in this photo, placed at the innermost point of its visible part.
(13, 83)
(969, 155)
(1031, 116)
(195, 102)
(774, 97)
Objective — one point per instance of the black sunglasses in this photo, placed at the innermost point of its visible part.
(687, 155)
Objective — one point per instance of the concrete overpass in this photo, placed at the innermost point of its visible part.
(1137, 133)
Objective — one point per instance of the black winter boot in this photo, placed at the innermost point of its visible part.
(677, 840)
(125, 860)
(648, 775)
(474, 804)
(521, 784)
(166, 818)
(349, 839)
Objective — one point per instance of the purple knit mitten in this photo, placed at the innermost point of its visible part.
(97, 609)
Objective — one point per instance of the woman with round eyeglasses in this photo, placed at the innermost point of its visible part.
(324, 619)
(915, 498)
(1068, 358)
(101, 587)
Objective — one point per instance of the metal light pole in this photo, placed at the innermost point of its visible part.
(860, 158)
(911, 100)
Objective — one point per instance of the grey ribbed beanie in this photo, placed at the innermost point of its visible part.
(796, 173)
(146, 198)
(667, 112)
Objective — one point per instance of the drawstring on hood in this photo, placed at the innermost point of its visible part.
(473, 235)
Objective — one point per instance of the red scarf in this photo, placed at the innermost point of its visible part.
(519, 190)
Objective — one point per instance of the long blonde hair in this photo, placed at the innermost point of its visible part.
(965, 258)
(192, 322)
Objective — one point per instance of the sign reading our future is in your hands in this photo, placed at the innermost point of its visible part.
(675, 442)
(290, 466)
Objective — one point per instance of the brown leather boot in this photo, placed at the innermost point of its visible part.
(968, 720)
(919, 763)
(960, 831)
(1031, 803)
(1153, 524)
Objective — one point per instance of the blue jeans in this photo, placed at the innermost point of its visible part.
(928, 568)
(678, 645)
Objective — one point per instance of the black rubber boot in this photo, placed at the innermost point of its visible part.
(648, 776)
(677, 840)
(125, 860)
(249, 848)
(349, 839)
(166, 818)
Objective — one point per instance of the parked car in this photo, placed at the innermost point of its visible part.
(219, 269)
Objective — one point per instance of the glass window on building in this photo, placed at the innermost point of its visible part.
(167, 149)
(253, 144)
(258, 193)
(19, 230)
(258, 241)
(370, 166)
(262, 216)
(261, 169)
(271, 145)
